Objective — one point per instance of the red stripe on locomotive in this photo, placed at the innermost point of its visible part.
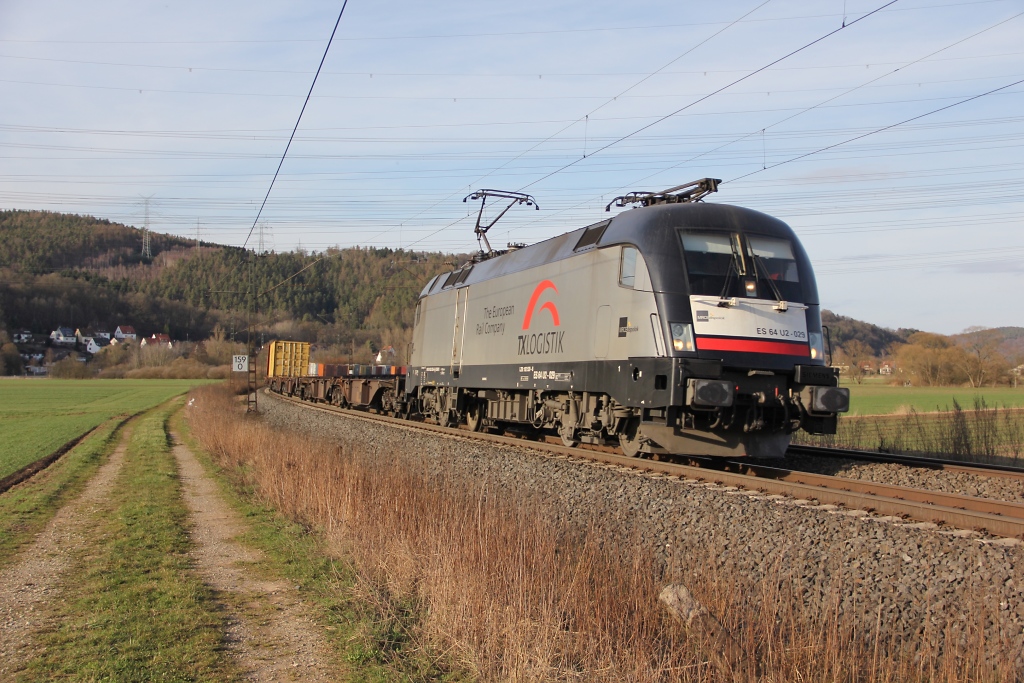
(753, 346)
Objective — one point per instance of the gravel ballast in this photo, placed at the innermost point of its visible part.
(907, 578)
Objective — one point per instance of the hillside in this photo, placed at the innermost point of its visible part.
(845, 330)
(80, 271)
(41, 242)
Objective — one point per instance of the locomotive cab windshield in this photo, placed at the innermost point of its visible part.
(736, 265)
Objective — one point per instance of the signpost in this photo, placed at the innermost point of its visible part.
(239, 363)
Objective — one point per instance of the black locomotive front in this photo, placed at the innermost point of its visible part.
(740, 306)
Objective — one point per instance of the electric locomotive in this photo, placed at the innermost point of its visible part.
(677, 327)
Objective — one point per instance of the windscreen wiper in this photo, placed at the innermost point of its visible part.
(760, 266)
(736, 267)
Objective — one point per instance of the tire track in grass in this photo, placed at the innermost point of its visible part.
(27, 585)
(29, 471)
(134, 610)
(269, 632)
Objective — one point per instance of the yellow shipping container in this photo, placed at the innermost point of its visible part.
(288, 359)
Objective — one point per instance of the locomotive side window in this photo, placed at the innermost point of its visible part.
(627, 267)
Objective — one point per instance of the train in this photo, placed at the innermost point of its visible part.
(679, 327)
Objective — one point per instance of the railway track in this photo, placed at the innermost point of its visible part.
(983, 469)
(999, 518)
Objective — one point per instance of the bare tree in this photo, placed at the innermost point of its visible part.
(981, 360)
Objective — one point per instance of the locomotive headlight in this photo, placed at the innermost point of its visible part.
(751, 287)
(682, 337)
(817, 346)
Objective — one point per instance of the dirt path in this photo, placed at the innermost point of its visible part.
(27, 586)
(269, 631)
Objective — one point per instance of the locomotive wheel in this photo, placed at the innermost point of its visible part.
(474, 416)
(629, 440)
(568, 434)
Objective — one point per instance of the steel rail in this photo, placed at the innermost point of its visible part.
(965, 512)
(984, 469)
(953, 500)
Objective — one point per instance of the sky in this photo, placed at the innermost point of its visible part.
(883, 132)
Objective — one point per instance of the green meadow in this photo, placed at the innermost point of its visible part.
(877, 398)
(38, 416)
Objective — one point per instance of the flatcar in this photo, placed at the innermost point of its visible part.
(677, 327)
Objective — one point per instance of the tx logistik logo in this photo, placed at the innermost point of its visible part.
(543, 342)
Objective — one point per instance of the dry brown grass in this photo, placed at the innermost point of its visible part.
(489, 585)
(982, 433)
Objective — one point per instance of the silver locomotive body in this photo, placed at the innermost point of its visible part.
(676, 328)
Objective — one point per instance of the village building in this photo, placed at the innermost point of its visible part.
(64, 336)
(124, 332)
(158, 340)
(82, 334)
(95, 344)
(22, 337)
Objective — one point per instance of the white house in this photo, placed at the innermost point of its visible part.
(95, 344)
(124, 332)
(83, 334)
(22, 337)
(64, 336)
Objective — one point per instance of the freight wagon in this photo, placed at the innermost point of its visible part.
(289, 372)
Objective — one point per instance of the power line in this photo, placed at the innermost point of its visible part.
(296, 127)
(492, 34)
(475, 74)
(835, 97)
(593, 111)
(712, 94)
(879, 130)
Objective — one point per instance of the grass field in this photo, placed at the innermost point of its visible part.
(874, 398)
(37, 416)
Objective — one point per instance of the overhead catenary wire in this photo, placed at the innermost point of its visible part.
(715, 92)
(879, 130)
(490, 34)
(819, 105)
(473, 74)
(663, 118)
(835, 97)
(327, 49)
(586, 117)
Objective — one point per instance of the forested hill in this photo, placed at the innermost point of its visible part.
(42, 241)
(78, 271)
(880, 340)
